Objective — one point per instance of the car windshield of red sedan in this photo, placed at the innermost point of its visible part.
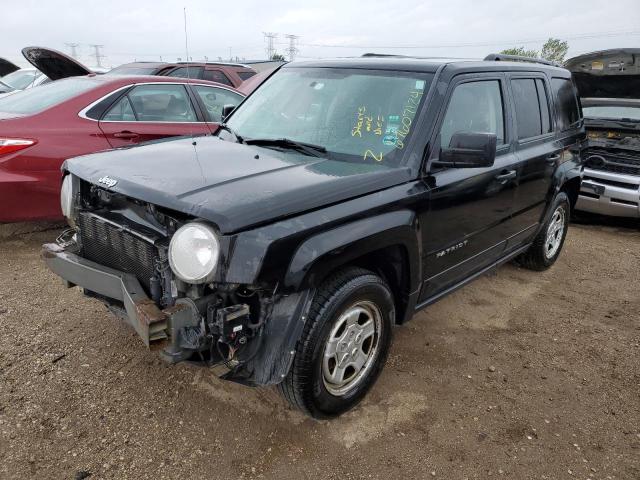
(40, 98)
(351, 115)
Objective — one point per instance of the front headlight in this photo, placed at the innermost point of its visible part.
(193, 253)
(66, 196)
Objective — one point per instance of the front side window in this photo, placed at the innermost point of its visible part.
(567, 110)
(154, 103)
(475, 107)
(214, 99)
(356, 115)
(34, 100)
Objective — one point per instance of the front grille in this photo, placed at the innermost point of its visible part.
(607, 161)
(108, 244)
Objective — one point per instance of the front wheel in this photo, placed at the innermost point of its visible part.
(546, 247)
(344, 344)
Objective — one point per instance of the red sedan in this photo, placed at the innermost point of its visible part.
(43, 126)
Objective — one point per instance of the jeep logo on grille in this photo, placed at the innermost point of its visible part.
(108, 181)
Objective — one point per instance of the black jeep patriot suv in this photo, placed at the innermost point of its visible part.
(337, 200)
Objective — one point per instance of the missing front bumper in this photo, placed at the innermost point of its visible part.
(152, 324)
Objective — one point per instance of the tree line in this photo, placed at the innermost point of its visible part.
(553, 50)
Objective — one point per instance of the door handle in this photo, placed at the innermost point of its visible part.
(126, 135)
(506, 176)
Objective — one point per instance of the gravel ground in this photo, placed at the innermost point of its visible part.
(519, 375)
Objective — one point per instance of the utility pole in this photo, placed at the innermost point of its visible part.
(270, 38)
(292, 50)
(99, 56)
(73, 47)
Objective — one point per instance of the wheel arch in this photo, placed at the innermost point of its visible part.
(386, 244)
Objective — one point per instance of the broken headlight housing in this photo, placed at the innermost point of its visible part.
(193, 253)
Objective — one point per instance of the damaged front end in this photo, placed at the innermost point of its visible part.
(609, 82)
(119, 250)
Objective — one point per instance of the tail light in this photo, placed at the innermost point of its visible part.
(10, 145)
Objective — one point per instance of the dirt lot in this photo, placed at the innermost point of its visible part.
(519, 375)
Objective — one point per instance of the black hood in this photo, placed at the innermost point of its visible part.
(6, 67)
(54, 64)
(607, 74)
(225, 183)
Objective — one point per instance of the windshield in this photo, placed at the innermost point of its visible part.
(612, 112)
(20, 79)
(35, 100)
(356, 115)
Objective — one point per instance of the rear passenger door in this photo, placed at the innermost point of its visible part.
(469, 216)
(152, 111)
(537, 150)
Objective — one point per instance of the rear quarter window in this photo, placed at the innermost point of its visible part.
(567, 109)
(34, 100)
(244, 74)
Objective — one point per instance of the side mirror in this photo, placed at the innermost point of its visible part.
(469, 150)
(226, 111)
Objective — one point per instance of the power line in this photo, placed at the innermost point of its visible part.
(270, 38)
(292, 50)
(73, 47)
(98, 56)
(479, 44)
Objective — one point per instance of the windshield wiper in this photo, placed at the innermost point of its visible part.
(286, 143)
(226, 127)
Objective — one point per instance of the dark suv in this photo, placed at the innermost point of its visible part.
(339, 198)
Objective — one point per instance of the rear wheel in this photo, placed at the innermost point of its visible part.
(547, 245)
(344, 344)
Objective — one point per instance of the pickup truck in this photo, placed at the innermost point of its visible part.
(338, 199)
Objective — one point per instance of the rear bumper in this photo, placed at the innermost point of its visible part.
(154, 326)
(25, 197)
(609, 194)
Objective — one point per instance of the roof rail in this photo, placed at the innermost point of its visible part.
(501, 57)
(383, 55)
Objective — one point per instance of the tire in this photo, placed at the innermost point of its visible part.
(348, 306)
(541, 255)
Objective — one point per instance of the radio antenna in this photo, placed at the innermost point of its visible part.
(186, 49)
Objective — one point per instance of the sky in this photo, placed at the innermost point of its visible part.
(154, 29)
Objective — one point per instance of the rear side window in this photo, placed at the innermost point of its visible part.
(474, 107)
(567, 111)
(245, 74)
(186, 72)
(543, 100)
(153, 103)
(34, 100)
(122, 111)
(216, 76)
(532, 107)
